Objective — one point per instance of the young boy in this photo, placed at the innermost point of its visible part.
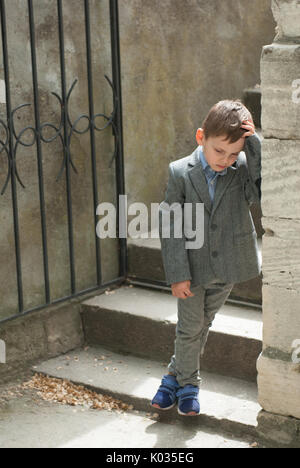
(223, 173)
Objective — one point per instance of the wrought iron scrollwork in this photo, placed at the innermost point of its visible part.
(59, 133)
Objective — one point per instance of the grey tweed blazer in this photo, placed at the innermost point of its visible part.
(230, 251)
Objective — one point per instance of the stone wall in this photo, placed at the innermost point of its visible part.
(178, 59)
(40, 335)
(279, 364)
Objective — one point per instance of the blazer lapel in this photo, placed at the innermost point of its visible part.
(198, 179)
(199, 182)
(222, 184)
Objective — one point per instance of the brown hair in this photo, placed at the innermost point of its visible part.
(225, 118)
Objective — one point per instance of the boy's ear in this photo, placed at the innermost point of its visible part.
(199, 136)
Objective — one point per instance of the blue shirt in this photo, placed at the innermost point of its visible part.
(211, 175)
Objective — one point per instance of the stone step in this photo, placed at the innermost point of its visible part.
(227, 404)
(142, 322)
(37, 424)
(145, 263)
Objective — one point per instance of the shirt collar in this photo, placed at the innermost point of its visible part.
(206, 166)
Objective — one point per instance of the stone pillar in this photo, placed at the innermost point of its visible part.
(279, 363)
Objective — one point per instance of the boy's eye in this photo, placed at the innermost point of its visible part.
(235, 155)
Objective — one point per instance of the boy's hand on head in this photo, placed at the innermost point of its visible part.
(250, 127)
(182, 290)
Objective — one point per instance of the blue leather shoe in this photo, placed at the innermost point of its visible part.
(188, 401)
(165, 397)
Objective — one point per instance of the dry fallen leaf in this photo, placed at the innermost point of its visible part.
(108, 292)
(63, 391)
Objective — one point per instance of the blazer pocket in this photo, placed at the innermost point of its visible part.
(245, 236)
(242, 223)
(235, 186)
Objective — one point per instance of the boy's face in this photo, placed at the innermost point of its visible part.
(218, 152)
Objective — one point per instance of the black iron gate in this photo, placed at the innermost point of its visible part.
(11, 141)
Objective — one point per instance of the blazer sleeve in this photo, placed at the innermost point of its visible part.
(174, 253)
(252, 180)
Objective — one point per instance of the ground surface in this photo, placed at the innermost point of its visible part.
(27, 421)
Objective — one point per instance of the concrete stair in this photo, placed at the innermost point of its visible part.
(142, 322)
(129, 339)
(227, 404)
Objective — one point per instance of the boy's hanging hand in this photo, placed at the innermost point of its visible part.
(182, 290)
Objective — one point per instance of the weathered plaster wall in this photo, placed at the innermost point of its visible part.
(178, 59)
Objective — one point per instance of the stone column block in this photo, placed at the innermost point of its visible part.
(281, 319)
(279, 386)
(287, 15)
(280, 76)
(281, 178)
(281, 253)
(279, 431)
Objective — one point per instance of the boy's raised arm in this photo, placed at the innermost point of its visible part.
(252, 184)
(174, 253)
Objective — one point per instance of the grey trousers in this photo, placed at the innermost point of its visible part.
(195, 317)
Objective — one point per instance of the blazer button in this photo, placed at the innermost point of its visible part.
(215, 254)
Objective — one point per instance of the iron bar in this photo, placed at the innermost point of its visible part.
(92, 133)
(66, 142)
(12, 162)
(39, 150)
(118, 121)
